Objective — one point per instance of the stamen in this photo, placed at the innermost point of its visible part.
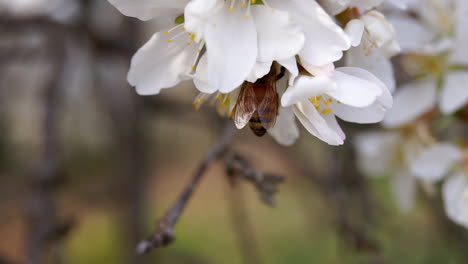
(174, 28)
(195, 61)
(327, 111)
(247, 13)
(266, 4)
(231, 8)
(328, 102)
(200, 99)
(176, 36)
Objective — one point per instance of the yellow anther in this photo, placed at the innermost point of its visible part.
(338, 102)
(319, 97)
(201, 100)
(328, 102)
(244, 4)
(218, 97)
(253, 1)
(167, 32)
(189, 43)
(169, 40)
(246, 15)
(317, 107)
(193, 67)
(199, 50)
(231, 8)
(314, 101)
(327, 111)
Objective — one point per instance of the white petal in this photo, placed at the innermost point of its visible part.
(279, 37)
(290, 65)
(434, 163)
(325, 40)
(353, 90)
(159, 64)
(411, 34)
(201, 77)
(306, 87)
(379, 30)
(455, 92)
(370, 114)
(231, 41)
(410, 102)
(322, 70)
(385, 99)
(197, 13)
(148, 9)
(316, 124)
(364, 5)
(404, 190)
(455, 196)
(375, 62)
(285, 130)
(334, 7)
(259, 70)
(376, 151)
(459, 54)
(354, 29)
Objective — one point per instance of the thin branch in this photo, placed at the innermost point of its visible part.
(164, 232)
(266, 183)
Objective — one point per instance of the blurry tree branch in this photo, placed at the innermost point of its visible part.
(265, 183)
(239, 169)
(163, 234)
(45, 227)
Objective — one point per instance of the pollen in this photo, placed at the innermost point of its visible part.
(314, 101)
(169, 40)
(231, 8)
(328, 102)
(167, 32)
(193, 67)
(327, 111)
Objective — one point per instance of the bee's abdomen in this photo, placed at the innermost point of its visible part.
(256, 126)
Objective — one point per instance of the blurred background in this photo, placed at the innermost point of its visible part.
(86, 165)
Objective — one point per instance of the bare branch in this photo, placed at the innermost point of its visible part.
(266, 183)
(164, 232)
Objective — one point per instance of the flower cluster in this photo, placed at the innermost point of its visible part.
(426, 142)
(268, 62)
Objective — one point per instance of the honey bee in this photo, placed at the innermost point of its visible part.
(257, 104)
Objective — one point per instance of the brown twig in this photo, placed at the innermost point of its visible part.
(164, 232)
(266, 183)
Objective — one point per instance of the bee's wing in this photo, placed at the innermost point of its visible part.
(268, 108)
(246, 105)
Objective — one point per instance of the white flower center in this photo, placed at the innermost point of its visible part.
(322, 103)
(178, 32)
(246, 4)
